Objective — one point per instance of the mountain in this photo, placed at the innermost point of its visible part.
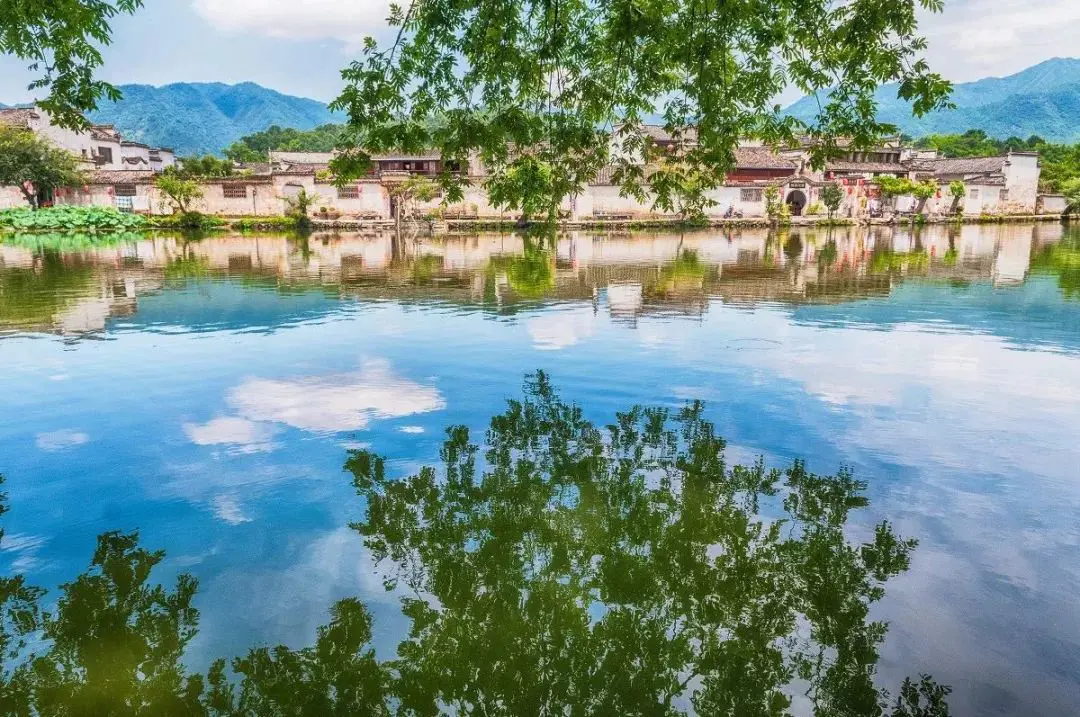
(204, 118)
(1043, 100)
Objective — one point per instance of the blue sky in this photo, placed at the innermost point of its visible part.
(299, 46)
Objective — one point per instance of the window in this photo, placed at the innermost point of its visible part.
(105, 155)
(350, 192)
(234, 191)
(124, 190)
(750, 195)
(973, 194)
(1003, 195)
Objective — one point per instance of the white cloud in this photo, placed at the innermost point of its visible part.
(60, 440)
(247, 436)
(330, 404)
(561, 329)
(346, 20)
(411, 429)
(25, 547)
(227, 508)
(973, 39)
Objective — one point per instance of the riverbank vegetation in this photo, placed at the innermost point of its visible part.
(67, 218)
(633, 533)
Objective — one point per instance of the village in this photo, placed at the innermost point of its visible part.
(122, 173)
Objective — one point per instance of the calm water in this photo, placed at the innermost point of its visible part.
(207, 394)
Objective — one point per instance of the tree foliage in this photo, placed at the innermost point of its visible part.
(832, 196)
(624, 570)
(181, 192)
(206, 166)
(957, 191)
(549, 93)
(35, 165)
(256, 147)
(60, 39)
(1071, 190)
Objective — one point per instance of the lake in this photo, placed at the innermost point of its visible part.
(208, 393)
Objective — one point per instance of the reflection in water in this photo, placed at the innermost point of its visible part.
(81, 290)
(564, 569)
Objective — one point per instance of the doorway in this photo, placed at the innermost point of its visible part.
(796, 201)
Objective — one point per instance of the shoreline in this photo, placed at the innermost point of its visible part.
(276, 225)
(450, 225)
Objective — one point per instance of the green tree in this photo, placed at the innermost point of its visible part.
(957, 191)
(1071, 190)
(973, 143)
(200, 167)
(541, 90)
(773, 202)
(406, 193)
(893, 187)
(179, 191)
(832, 196)
(922, 191)
(61, 39)
(298, 206)
(35, 165)
(626, 570)
(256, 147)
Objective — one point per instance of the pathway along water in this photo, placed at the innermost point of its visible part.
(208, 393)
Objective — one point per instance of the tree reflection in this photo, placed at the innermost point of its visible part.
(1063, 260)
(628, 570)
(562, 568)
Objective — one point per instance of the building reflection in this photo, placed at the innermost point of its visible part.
(79, 292)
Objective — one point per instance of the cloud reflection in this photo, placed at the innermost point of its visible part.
(60, 440)
(331, 404)
(246, 436)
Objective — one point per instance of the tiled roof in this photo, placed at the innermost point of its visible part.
(841, 166)
(761, 158)
(301, 157)
(322, 159)
(968, 165)
(239, 180)
(658, 134)
(988, 181)
(122, 176)
(125, 143)
(428, 154)
(18, 117)
(256, 168)
(104, 133)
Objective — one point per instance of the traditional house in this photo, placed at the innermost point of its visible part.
(103, 152)
(1008, 184)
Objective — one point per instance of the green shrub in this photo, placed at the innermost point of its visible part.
(265, 223)
(69, 218)
(188, 220)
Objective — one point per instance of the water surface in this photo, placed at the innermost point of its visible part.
(207, 392)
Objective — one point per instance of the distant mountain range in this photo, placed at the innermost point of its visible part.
(1043, 100)
(205, 118)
